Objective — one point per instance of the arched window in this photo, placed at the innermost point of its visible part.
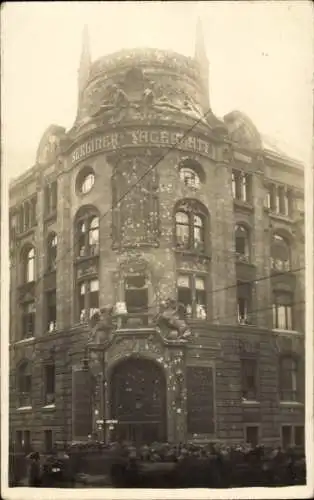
(190, 222)
(242, 243)
(29, 265)
(288, 379)
(191, 173)
(280, 253)
(87, 228)
(52, 251)
(85, 180)
(24, 384)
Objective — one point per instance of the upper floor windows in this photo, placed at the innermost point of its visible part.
(49, 383)
(87, 229)
(241, 186)
(244, 303)
(28, 263)
(280, 253)
(24, 384)
(85, 180)
(28, 319)
(51, 198)
(190, 227)
(249, 379)
(88, 299)
(52, 251)
(283, 310)
(279, 199)
(136, 293)
(242, 243)
(192, 294)
(27, 215)
(289, 379)
(51, 310)
(191, 173)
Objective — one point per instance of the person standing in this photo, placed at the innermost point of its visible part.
(34, 479)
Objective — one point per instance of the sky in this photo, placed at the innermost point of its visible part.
(260, 54)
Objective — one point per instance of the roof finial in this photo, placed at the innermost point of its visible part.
(200, 50)
(85, 62)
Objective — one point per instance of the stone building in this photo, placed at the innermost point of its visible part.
(157, 267)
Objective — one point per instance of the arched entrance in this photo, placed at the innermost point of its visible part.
(138, 401)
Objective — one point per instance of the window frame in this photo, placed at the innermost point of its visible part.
(52, 251)
(28, 272)
(24, 384)
(27, 318)
(294, 379)
(278, 303)
(49, 396)
(246, 255)
(292, 428)
(255, 426)
(256, 396)
(280, 242)
(85, 219)
(241, 186)
(88, 311)
(247, 296)
(192, 278)
(192, 244)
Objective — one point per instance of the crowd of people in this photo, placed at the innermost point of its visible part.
(165, 465)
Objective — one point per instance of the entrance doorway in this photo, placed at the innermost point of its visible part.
(138, 401)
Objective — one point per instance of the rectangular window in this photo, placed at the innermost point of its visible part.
(244, 299)
(48, 443)
(51, 198)
(28, 320)
(23, 441)
(93, 297)
(234, 186)
(267, 199)
(286, 436)
(51, 301)
(200, 298)
(249, 379)
(289, 379)
(81, 300)
(136, 294)
(192, 294)
(241, 186)
(282, 312)
(299, 435)
(200, 400)
(50, 384)
(185, 293)
(252, 435)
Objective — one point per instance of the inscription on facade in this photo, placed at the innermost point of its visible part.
(140, 137)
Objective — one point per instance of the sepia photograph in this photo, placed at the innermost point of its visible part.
(156, 248)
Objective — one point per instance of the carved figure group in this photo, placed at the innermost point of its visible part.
(171, 319)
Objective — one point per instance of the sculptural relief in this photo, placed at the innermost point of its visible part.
(171, 321)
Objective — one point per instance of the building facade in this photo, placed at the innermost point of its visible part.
(157, 268)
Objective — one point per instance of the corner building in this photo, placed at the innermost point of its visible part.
(157, 268)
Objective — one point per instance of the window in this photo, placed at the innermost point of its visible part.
(27, 215)
(48, 443)
(280, 200)
(280, 253)
(242, 243)
(88, 299)
(252, 435)
(24, 384)
(292, 435)
(88, 235)
(23, 441)
(190, 224)
(51, 302)
(29, 265)
(288, 379)
(283, 311)
(28, 319)
(241, 186)
(49, 384)
(52, 251)
(51, 198)
(189, 177)
(192, 294)
(85, 180)
(244, 301)
(136, 293)
(249, 379)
